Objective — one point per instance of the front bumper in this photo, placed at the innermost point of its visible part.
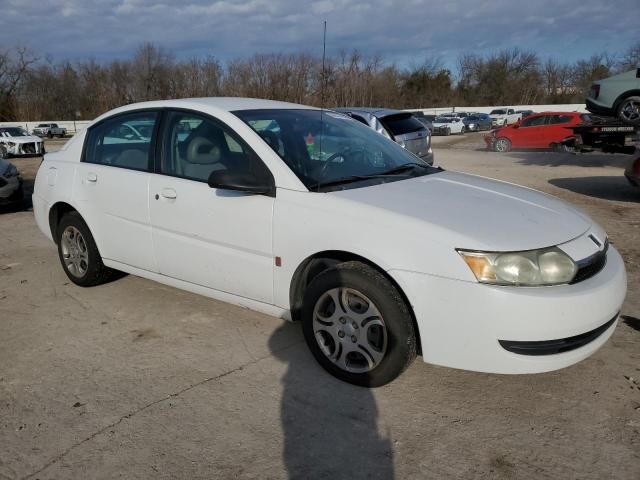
(599, 109)
(26, 149)
(462, 323)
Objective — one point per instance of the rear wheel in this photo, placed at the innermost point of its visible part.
(502, 145)
(629, 110)
(79, 254)
(357, 325)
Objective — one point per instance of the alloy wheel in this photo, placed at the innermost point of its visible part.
(74, 252)
(630, 110)
(350, 330)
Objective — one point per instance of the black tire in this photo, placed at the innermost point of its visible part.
(463, 130)
(394, 312)
(502, 145)
(96, 273)
(50, 135)
(447, 132)
(629, 110)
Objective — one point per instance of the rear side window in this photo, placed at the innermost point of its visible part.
(123, 141)
(401, 123)
(555, 119)
(534, 121)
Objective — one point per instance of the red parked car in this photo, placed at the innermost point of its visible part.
(541, 130)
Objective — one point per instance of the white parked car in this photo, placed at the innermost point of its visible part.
(49, 130)
(448, 126)
(308, 215)
(15, 141)
(501, 117)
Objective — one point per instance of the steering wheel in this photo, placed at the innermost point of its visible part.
(328, 162)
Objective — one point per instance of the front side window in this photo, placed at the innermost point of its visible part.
(534, 121)
(323, 147)
(195, 146)
(121, 142)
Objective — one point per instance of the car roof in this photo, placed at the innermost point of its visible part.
(215, 104)
(374, 111)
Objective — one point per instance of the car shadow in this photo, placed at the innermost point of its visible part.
(633, 322)
(561, 159)
(330, 427)
(615, 188)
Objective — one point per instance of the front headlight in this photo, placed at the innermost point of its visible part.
(548, 266)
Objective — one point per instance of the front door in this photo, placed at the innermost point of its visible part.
(215, 238)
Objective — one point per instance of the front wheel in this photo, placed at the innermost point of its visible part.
(447, 132)
(502, 145)
(357, 325)
(629, 110)
(79, 254)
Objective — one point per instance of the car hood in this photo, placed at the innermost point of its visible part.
(28, 139)
(466, 211)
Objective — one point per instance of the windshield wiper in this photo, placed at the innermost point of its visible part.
(355, 178)
(404, 167)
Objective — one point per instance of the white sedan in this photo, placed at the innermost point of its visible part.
(310, 216)
(15, 141)
(448, 125)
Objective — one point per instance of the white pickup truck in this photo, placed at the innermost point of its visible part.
(501, 117)
(49, 130)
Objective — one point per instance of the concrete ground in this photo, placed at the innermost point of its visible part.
(137, 380)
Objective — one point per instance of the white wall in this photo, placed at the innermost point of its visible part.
(72, 126)
(569, 107)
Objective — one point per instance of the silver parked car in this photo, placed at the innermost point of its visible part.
(401, 127)
(10, 183)
(618, 96)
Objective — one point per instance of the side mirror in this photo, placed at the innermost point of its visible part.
(242, 182)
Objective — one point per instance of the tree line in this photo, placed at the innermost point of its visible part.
(36, 89)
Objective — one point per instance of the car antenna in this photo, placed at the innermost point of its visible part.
(322, 82)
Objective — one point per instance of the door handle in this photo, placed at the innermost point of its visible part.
(169, 193)
(92, 177)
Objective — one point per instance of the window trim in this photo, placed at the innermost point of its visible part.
(162, 132)
(152, 143)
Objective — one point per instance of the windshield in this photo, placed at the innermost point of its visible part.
(328, 148)
(13, 132)
(497, 112)
(443, 120)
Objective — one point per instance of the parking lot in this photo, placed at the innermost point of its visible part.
(134, 379)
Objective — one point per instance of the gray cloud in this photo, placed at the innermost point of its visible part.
(404, 32)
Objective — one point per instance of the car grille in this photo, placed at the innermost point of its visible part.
(591, 266)
(28, 148)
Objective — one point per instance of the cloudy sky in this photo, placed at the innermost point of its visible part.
(403, 31)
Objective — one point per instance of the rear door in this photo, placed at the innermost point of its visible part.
(112, 185)
(557, 129)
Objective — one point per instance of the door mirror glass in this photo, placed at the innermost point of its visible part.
(242, 182)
